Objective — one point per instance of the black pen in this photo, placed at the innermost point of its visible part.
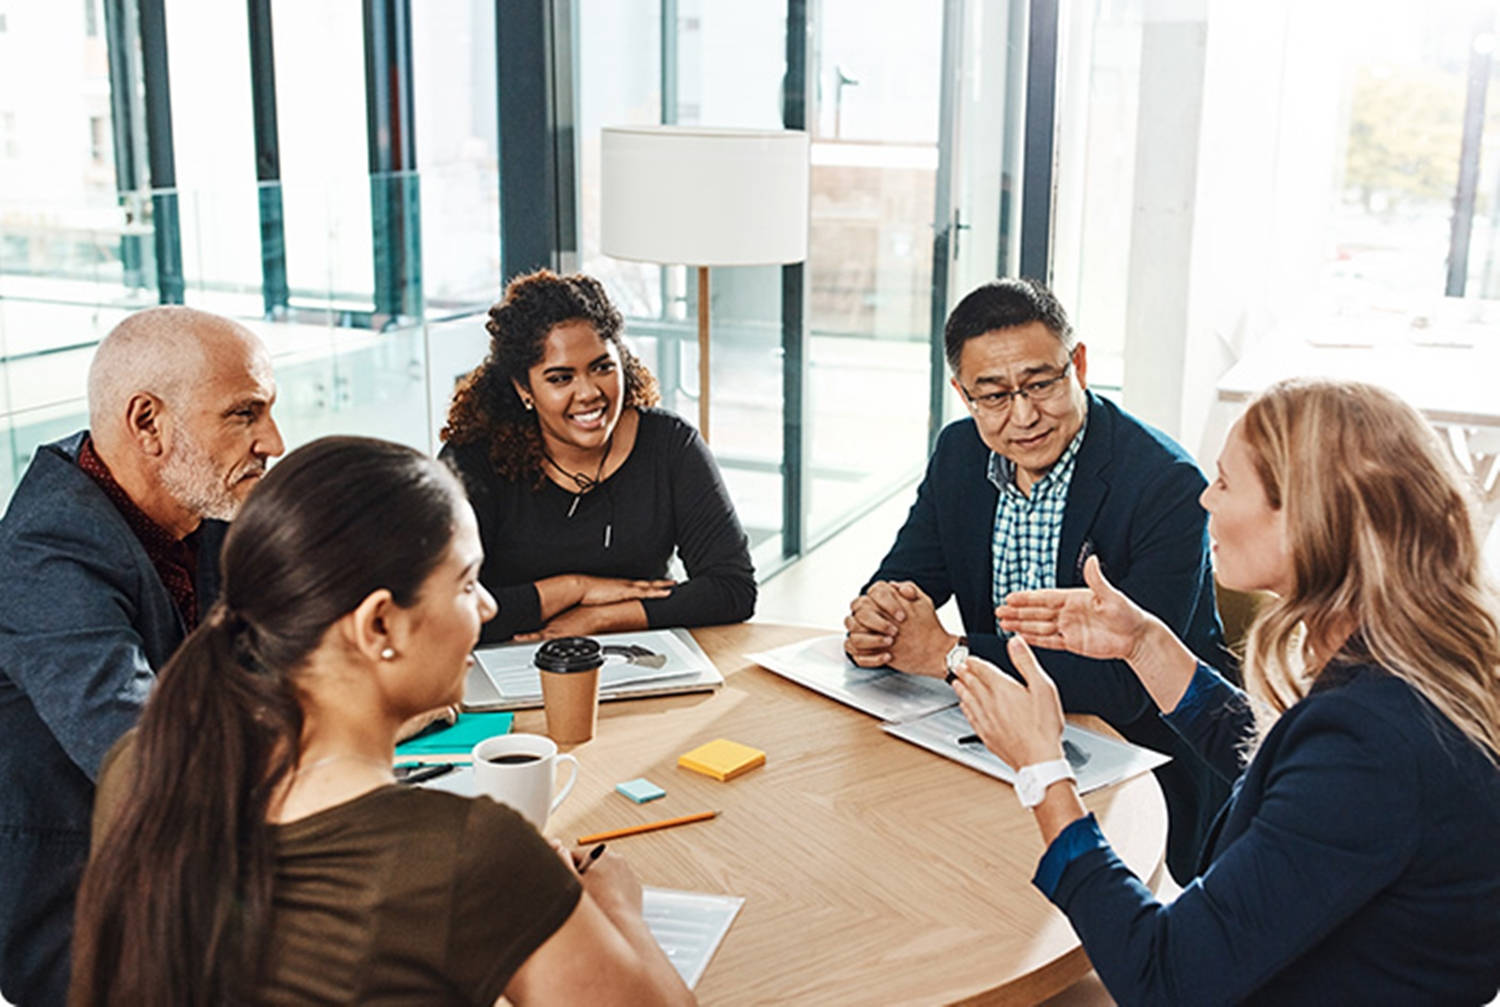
(583, 865)
(422, 773)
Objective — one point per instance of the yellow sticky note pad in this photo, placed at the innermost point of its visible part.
(722, 759)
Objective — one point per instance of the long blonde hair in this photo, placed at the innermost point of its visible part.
(1382, 535)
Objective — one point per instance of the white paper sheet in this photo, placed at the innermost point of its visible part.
(1098, 761)
(689, 926)
(821, 665)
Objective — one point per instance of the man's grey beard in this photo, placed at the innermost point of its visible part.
(189, 476)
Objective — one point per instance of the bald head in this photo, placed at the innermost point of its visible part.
(165, 352)
(179, 411)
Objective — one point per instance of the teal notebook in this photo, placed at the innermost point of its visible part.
(459, 738)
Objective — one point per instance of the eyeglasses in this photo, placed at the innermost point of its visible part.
(1037, 392)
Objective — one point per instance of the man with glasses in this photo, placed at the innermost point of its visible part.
(1042, 475)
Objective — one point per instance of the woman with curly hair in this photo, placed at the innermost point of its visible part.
(583, 487)
(1358, 857)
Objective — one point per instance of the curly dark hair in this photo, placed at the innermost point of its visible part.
(486, 407)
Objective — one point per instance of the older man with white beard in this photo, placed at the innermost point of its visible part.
(109, 557)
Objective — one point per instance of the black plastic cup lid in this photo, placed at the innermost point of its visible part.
(570, 653)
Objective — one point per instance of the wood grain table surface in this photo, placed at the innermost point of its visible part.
(873, 871)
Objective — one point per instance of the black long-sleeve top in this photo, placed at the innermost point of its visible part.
(667, 495)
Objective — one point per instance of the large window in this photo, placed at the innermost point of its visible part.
(875, 85)
(453, 56)
(1249, 192)
(721, 65)
(371, 287)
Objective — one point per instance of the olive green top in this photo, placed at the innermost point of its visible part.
(402, 896)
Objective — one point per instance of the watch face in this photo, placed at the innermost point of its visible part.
(1026, 790)
(1032, 781)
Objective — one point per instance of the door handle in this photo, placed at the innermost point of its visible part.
(958, 225)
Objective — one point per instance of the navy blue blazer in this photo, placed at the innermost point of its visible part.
(1133, 502)
(1357, 862)
(84, 622)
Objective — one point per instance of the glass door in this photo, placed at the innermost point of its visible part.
(976, 236)
(876, 167)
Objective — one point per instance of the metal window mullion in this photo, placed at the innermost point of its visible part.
(123, 52)
(267, 158)
(391, 138)
(160, 159)
(535, 60)
(1040, 127)
(797, 102)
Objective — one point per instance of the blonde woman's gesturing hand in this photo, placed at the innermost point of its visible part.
(1021, 722)
(1097, 621)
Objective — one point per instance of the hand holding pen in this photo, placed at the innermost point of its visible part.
(610, 882)
(586, 861)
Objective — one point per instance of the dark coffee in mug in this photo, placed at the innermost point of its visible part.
(513, 759)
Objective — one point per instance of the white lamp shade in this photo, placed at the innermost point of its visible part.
(704, 197)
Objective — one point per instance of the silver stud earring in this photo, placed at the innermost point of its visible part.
(389, 654)
(527, 403)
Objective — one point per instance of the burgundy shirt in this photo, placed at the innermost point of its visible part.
(175, 560)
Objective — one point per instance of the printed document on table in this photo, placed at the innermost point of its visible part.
(820, 664)
(1096, 760)
(646, 662)
(689, 926)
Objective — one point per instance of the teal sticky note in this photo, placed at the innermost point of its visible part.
(458, 738)
(640, 790)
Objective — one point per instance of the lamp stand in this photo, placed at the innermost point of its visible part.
(703, 353)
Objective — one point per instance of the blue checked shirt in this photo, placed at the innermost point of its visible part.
(1027, 529)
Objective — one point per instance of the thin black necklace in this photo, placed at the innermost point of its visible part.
(583, 482)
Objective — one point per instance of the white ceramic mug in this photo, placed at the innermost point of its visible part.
(526, 776)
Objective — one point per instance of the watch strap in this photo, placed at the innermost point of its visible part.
(1032, 781)
(956, 655)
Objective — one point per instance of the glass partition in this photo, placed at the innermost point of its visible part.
(339, 367)
(873, 166)
(874, 177)
(719, 65)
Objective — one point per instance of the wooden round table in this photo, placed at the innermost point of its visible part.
(873, 871)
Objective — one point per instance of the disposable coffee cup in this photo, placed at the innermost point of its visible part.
(520, 770)
(569, 670)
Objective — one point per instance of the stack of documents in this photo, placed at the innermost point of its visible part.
(925, 712)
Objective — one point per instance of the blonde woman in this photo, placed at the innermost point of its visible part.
(1358, 857)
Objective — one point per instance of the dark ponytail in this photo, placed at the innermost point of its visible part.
(175, 904)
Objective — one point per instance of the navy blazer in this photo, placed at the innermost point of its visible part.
(1357, 862)
(1133, 502)
(85, 621)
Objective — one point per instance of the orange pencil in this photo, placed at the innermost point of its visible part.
(631, 830)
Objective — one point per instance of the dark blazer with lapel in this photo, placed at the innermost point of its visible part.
(85, 622)
(1357, 862)
(1133, 501)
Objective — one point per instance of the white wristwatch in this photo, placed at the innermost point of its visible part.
(955, 658)
(1032, 781)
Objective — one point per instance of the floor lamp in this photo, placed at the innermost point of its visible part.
(696, 196)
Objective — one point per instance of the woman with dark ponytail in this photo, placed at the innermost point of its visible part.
(250, 844)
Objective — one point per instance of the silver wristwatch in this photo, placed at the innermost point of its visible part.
(1032, 781)
(954, 659)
